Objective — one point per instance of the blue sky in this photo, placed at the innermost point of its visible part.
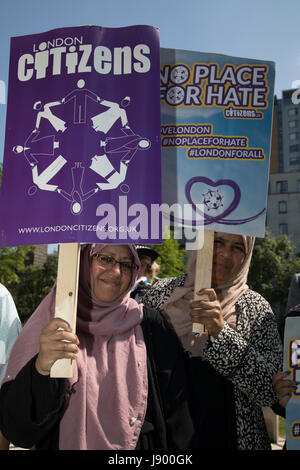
(260, 29)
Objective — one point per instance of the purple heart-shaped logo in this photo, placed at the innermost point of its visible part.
(214, 184)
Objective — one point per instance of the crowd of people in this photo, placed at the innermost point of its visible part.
(142, 379)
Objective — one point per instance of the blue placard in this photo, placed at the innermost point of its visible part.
(216, 134)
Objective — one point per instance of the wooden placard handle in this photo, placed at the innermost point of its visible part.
(66, 298)
(203, 270)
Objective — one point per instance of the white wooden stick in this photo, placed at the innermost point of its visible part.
(66, 298)
(203, 271)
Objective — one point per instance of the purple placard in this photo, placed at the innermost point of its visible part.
(82, 158)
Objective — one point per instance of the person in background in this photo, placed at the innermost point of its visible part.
(10, 328)
(232, 363)
(284, 388)
(148, 271)
(294, 292)
(283, 384)
(292, 301)
(129, 389)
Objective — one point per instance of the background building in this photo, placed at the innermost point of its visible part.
(283, 213)
(38, 255)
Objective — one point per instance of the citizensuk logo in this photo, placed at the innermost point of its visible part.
(2, 92)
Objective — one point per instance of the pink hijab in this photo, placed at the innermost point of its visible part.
(108, 406)
(177, 309)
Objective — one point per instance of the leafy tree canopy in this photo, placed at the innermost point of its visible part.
(171, 257)
(35, 283)
(272, 268)
(13, 262)
(28, 284)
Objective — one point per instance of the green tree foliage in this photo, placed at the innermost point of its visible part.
(28, 284)
(35, 283)
(171, 258)
(272, 268)
(13, 262)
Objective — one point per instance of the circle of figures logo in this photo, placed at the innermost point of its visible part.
(80, 122)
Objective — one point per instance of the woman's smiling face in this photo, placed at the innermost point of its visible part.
(110, 282)
(228, 257)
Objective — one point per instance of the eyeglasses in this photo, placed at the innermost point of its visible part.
(109, 262)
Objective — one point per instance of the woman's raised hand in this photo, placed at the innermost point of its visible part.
(208, 312)
(284, 387)
(56, 342)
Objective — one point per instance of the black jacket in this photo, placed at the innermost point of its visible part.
(32, 405)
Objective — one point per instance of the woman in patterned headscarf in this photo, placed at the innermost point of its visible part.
(233, 361)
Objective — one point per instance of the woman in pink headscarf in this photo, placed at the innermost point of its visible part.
(232, 363)
(129, 387)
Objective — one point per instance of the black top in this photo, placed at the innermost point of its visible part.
(32, 405)
(213, 407)
(140, 290)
